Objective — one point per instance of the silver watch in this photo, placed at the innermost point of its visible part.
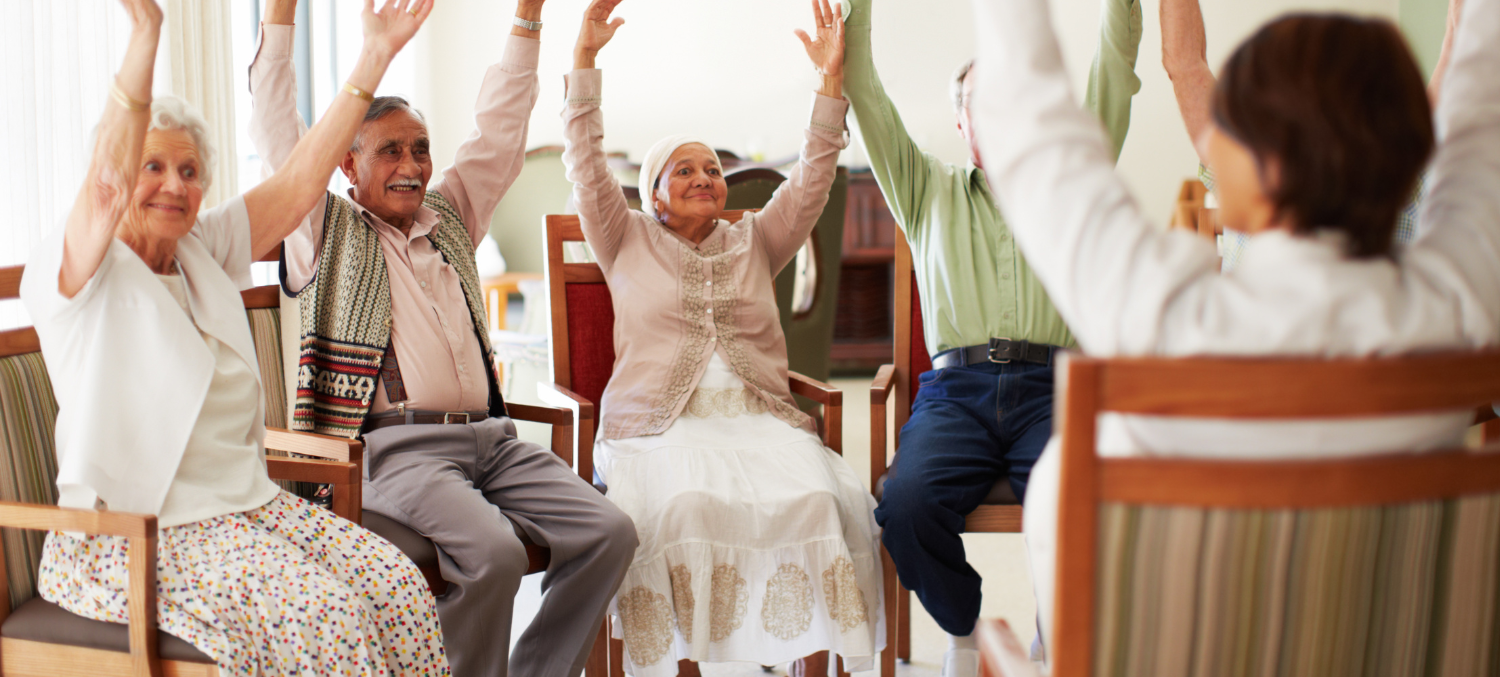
(528, 25)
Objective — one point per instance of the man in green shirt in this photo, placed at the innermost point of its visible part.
(985, 410)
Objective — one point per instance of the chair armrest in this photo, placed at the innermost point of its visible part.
(1001, 653)
(540, 414)
(310, 444)
(347, 478)
(883, 385)
(815, 390)
(92, 522)
(312, 470)
(583, 430)
(141, 590)
(558, 396)
(832, 399)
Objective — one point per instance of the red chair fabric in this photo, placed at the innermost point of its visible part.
(921, 362)
(591, 341)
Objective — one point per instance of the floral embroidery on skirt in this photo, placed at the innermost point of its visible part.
(286, 589)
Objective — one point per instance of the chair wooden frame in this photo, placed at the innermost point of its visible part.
(1265, 389)
(565, 228)
(337, 464)
(348, 502)
(897, 380)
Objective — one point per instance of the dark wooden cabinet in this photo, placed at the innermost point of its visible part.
(862, 325)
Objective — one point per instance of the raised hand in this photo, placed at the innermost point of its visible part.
(389, 29)
(144, 14)
(827, 49)
(596, 31)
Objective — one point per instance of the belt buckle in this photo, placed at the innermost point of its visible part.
(991, 353)
(450, 414)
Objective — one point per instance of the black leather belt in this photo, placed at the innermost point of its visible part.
(998, 350)
(412, 416)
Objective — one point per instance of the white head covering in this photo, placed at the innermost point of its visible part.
(656, 160)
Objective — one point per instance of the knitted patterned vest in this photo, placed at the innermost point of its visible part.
(346, 317)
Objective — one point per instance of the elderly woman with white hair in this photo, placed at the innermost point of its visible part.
(758, 543)
(136, 302)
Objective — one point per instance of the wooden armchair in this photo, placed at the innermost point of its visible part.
(1000, 512)
(1175, 566)
(583, 357)
(263, 306)
(40, 638)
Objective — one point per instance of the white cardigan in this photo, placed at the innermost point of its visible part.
(129, 369)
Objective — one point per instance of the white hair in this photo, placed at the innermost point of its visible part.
(169, 113)
(956, 87)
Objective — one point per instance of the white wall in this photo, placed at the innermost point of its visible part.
(731, 71)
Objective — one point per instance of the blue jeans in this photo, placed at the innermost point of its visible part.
(969, 427)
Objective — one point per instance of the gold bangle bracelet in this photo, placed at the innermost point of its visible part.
(367, 96)
(125, 101)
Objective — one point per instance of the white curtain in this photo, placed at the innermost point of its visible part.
(197, 54)
(55, 72)
(57, 68)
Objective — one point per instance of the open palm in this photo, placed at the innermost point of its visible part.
(393, 26)
(827, 49)
(598, 29)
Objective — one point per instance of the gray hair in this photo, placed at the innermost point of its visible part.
(956, 88)
(169, 113)
(383, 106)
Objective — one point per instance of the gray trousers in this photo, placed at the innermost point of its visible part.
(457, 485)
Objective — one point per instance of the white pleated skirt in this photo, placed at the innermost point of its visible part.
(757, 543)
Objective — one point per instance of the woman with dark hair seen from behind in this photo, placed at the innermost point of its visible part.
(1321, 126)
(140, 290)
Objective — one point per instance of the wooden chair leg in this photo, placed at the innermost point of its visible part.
(891, 585)
(598, 663)
(840, 667)
(687, 668)
(903, 632)
(616, 657)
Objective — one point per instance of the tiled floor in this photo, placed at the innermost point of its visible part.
(1000, 558)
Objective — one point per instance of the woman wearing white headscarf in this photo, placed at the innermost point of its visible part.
(758, 543)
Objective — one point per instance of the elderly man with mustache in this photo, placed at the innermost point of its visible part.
(394, 348)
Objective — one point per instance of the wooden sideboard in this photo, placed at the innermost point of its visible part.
(863, 323)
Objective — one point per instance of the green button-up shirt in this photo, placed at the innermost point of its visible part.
(973, 282)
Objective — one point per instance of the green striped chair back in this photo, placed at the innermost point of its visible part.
(1389, 590)
(265, 329)
(1174, 566)
(28, 416)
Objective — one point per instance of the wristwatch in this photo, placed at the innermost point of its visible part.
(528, 25)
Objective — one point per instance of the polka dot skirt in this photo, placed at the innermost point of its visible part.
(286, 589)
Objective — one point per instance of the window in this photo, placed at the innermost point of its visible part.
(329, 38)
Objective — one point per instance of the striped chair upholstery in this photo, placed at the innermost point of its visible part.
(28, 413)
(1408, 589)
(265, 329)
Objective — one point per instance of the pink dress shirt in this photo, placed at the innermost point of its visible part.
(442, 364)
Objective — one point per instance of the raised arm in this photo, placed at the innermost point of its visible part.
(1071, 214)
(789, 217)
(1112, 79)
(603, 212)
(280, 202)
(491, 158)
(1460, 216)
(1445, 55)
(106, 190)
(275, 125)
(1184, 54)
(902, 170)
